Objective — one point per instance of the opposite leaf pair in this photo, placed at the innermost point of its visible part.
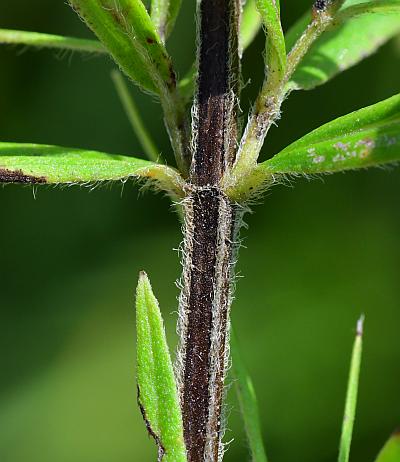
(333, 37)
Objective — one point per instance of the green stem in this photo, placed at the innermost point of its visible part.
(268, 104)
(351, 395)
(133, 115)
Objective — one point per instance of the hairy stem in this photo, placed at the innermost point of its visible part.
(267, 107)
(205, 301)
(211, 223)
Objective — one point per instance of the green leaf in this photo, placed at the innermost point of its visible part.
(18, 37)
(364, 138)
(351, 395)
(163, 15)
(43, 164)
(343, 45)
(250, 24)
(391, 451)
(276, 49)
(157, 391)
(248, 404)
(126, 30)
(375, 6)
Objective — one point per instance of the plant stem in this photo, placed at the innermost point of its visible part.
(211, 224)
(204, 308)
(268, 104)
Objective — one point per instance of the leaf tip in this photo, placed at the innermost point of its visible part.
(143, 276)
(360, 326)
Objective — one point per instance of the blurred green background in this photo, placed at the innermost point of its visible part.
(315, 257)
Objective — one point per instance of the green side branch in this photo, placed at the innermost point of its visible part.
(368, 137)
(275, 59)
(315, 43)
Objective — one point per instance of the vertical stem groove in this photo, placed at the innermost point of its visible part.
(210, 227)
(215, 129)
(210, 233)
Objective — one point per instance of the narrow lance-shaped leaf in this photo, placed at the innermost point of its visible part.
(391, 451)
(44, 164)
(351, 395)
(36, 39)
(126, 30)
(276, 50)
(350, 39)
(248, 404)
(157, 391)
(163, 15)
(364, 138)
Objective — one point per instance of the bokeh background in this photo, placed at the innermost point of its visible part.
(315, 256)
